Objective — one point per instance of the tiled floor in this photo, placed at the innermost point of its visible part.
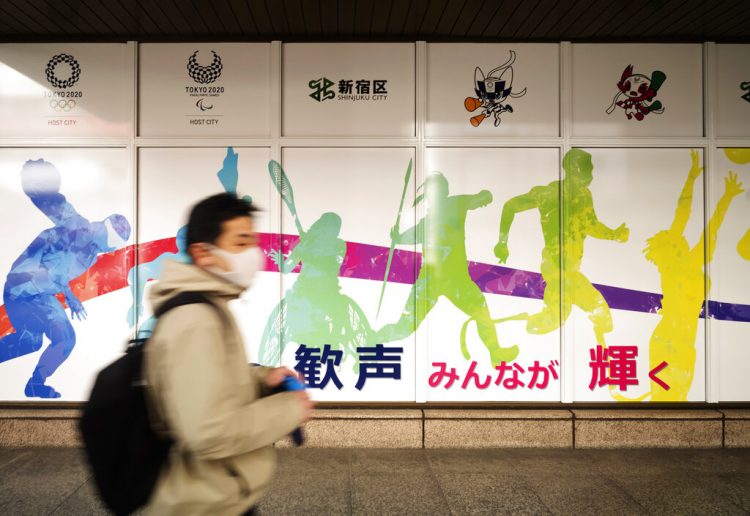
(349, 481)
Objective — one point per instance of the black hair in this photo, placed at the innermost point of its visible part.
(206, 217)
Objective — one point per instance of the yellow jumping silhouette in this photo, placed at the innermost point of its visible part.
(741, 157)
(682, 275)
(743, 246)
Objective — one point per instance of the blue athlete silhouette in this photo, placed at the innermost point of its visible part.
(55, 257)
(152, 270)
(229, 177)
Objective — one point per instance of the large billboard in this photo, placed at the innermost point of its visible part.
(466, 223)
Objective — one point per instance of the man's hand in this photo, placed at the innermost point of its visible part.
(77, 311)
(622, 233)
(276, 376)
(501, 251)
(274, 379)
(307, 405)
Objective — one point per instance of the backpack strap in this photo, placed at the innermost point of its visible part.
(181, 299)
(190, 298)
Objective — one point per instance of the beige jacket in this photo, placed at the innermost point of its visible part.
(210, 399)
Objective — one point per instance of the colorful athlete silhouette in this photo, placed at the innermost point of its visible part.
(738, 156)
(743, 246)
(683, 289)
(579, 222)
(145, 271)
(45, 268)
(139, 275)
(741, 157)
(313, 311)
(445, 267)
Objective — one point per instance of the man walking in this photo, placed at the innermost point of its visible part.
(217, 408)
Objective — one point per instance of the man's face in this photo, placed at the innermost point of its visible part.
(237, 235)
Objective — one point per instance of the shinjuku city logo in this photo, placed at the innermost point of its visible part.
(348, 89)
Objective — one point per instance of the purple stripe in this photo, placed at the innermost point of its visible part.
(729, 311)
(627, 299)
(368, 262)
(495, 279)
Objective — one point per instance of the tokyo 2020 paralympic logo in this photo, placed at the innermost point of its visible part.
(204, 74)
(75, 71)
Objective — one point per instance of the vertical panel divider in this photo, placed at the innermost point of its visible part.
(421, 342)
(276, 117)
(712, 364)
(567, 345)
(132, 49)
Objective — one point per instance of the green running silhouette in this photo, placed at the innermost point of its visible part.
(579, 221)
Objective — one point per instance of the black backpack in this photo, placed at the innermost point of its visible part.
(125, 453)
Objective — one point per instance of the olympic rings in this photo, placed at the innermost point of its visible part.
(62, 105)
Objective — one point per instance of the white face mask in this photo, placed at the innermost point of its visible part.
(242, 266)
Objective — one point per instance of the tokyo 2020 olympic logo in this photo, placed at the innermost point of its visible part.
(51, 71)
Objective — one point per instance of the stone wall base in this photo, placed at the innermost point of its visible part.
(455, 428)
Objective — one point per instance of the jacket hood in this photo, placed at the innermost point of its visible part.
(178, 277)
